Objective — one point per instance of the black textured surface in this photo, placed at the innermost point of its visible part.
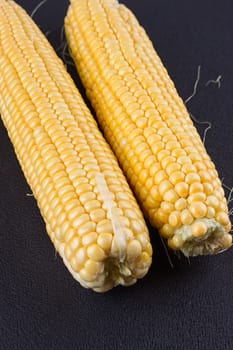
(187, 307)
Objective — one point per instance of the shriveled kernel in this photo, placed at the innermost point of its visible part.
(198, 209)
(134, 249)
(95, 253)
(186, 217)
(199, 229)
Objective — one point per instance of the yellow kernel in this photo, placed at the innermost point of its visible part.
(160, 176)
(222, 218)
(212, 201)
(166, 231)
(175, 242)
(151, 203)
(176, 177)
(74, 243)
(171, 167)
(210, 212)
(155, 193)
(167, 207)
(186, 217)
(208, 188)
(188, 168)
(184, 160)
(180, 204)
(89, 238)
(179, 153)
(161, 216)
(182, 189)
(174, 219)
(134, 249)
(205, 176)
(199, 229)
(95, 253)
(105, 241)
(86, 276)
(198, 209)
(170, 196)
(164, 186)
(197, 197)
(192, 178)
(93, 267)
(196, 187)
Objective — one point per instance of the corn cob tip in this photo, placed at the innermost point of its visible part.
(204, 236)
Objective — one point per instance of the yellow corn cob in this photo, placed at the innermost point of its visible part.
(148, 127)
(89, 210)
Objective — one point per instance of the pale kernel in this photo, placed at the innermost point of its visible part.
(105, 241)
(199, 229)
(80, 256)
(104, 226)
(186, 217)
(181, 204)
(198, 209)
(174, 219)
(95, 253)
(97, 214)
(134, 249)
(81, 219)
(86, 276)
(86, 228)
(74, 243)
(182, 189)
(89, 238)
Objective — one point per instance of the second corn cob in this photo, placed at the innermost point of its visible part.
(148, 127)
(89, 210)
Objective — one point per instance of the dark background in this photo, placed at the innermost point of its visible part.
(189, 306)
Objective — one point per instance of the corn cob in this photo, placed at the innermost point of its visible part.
(89, 210)
(148, 127)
